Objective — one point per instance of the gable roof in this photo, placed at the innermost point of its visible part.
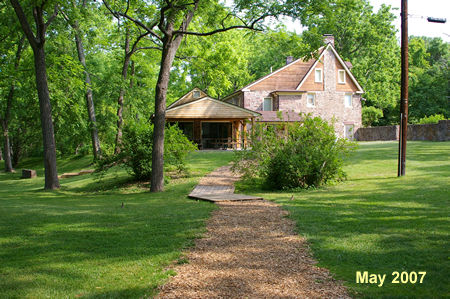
(286, 77)
(207, 107)
(291, 76)
(342, 62)
(188, 97)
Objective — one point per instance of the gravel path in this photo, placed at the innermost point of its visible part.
(250, 250)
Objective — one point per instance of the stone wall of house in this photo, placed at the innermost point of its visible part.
(254, 99)
(428, 132)
(329, 102)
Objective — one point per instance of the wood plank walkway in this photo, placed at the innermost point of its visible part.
(219, 186)
(250, 250)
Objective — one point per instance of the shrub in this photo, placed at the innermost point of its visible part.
(295, 155)
(137, 145)
(432, 119)
(371, 115)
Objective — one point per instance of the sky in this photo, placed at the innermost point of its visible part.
(418, 11)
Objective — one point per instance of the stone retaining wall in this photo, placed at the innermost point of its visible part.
(428, 132)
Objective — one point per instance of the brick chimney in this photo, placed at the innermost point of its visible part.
(329, 39)
(289, 59)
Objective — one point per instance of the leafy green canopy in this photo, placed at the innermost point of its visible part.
(429, 78)
(366, 39)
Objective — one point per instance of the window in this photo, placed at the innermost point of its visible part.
(348, 100)
(348, 131)
(341, 76)
(318, 76)
(196, 94)
(311, 100)
(268, 104)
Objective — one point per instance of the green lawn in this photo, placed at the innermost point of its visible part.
(80, 242)
(379, 223)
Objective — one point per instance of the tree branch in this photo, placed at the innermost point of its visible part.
(223, 29)
(52, 17)
(147, 48)
(40, 25)
(66, 18)
(118, 14)
(134, 46)
(24, 23)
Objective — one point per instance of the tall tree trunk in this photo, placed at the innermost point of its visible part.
(51, 173)
(89, 96)
(126, 63)
(37, 44)
(7, 116)
(167, 57)
(5, 127)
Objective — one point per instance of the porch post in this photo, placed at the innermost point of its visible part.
(244, 129)
(198, 133)
(253, 127)
(238, 135)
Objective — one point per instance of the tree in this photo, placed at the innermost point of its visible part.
(429, 73)
(78, 34)
(166, 23)
(37, 41)
(129, 50)
(9, 102)
(270, 49)
(367, 39)
(217, 64)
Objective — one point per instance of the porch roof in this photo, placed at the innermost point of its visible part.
(207, 107)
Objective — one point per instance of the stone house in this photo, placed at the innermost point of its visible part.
(324, 87)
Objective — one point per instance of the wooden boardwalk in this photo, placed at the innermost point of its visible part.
(219, 186)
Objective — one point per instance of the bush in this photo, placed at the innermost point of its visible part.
(432, 119)
(295, 155)
(371, 115)
(137, 145)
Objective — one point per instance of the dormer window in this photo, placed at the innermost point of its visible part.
(341, 76)
(318, 75)
(196, 94)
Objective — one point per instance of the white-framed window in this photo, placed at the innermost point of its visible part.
(318, 75)
(341, 76)
(268, 104)
(196, 94)
(349, 131)
(311, 100)
(348, 100)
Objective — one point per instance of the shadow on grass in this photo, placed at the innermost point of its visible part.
(379, 223)
(66, 242)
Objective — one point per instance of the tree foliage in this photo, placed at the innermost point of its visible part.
(429, 78)
(217, 63)
(366, 39)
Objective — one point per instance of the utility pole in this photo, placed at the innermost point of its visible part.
(404, 91)
(404, 86)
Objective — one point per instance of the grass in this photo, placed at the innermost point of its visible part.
(80, 242)
(379, 223)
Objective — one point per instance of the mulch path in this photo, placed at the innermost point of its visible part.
(250, 250)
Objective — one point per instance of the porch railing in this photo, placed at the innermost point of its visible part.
(222, 143)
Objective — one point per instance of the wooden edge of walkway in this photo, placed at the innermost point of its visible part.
(223, 197)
